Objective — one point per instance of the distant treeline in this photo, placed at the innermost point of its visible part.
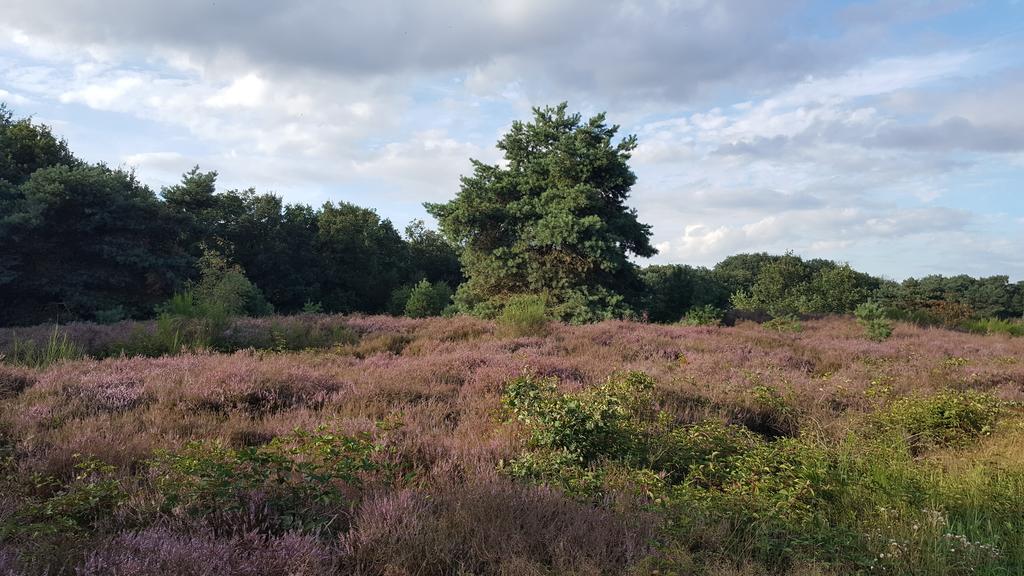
(82, 241)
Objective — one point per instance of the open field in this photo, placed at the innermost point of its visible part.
(436, 446)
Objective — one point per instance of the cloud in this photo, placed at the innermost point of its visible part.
(757, 130)
(662, 49)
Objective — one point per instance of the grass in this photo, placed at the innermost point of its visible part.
(381, 445)
(58, 347)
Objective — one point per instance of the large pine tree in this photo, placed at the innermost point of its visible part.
(553, 219)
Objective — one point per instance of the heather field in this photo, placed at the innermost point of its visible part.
(319, 444)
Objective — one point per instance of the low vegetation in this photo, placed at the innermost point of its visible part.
(317, 444)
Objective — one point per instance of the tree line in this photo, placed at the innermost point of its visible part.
(81, 241)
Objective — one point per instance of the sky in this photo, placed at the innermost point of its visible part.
(888, 134)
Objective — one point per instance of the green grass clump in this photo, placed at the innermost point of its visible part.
(996, 326)
(58, 348)
(524, 315)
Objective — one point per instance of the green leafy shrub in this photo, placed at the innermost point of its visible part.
(426, 299)
(784, 323)
(701, 452)
(524, 315)
(597, 421)
(303, 478)
(945, 419)
(872, 316)
(66, 509)
(704, 316)
(197, 317)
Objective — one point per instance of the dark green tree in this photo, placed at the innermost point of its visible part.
(431, 256)
(739, 272)
(552, 220)
(362, 258)
(81, 240)
(426, 299)
(671, 290)
(26, 147)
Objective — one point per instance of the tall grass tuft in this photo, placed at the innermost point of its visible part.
(58, 348)
(525, 315)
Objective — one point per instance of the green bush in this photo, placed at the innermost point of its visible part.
(784, 323)
(701, 453)
(945, 419)
(224, 289)
(524, 315)
(68, 509)
(426, 299)
(872, 316)
(704, 316)
(311, 307)
(399, 298)
(302, 477)
(595, 422)
(111, 315)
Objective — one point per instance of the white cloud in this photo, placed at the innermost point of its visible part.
(752, 137)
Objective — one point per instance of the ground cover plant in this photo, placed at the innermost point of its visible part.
(321, 444)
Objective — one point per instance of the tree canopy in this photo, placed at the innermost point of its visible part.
(551, 219)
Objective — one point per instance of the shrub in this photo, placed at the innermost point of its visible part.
(785, 323)
(945, 419)
(311, 307)
(224, 289)
(701, 452)
(594, 422)
(524, 315)
(68, 509)
(872, 316)
(301, 476)
(111, 315)
(426, 299)
(398, 300)
(996, 326)
(704, 316)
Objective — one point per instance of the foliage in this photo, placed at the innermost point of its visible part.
(784, 323)
(525, 315)
(996, 326)
(362, 258)
(301, 477)
(672, 290)
(872, 316)
(552, 219)
(58, 348)
(67, 509)
(80, 239)
(706, 315)
(224, 289)
(861, 503)
(946, 419)
(426, 299)
(790, 285)
(310, 307)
